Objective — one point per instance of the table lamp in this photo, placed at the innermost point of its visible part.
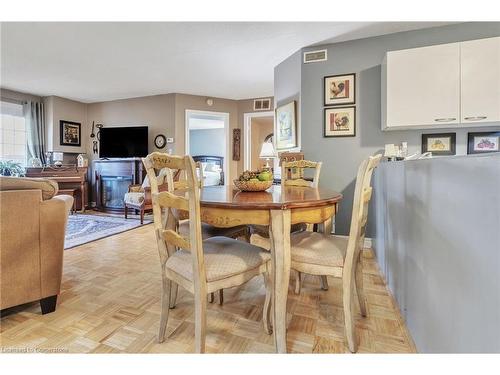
(267, 152)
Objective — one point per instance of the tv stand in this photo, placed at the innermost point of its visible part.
(111, 180)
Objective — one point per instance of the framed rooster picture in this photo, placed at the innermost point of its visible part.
(340, 89)
(340, 122)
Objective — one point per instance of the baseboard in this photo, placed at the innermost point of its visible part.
(368, 241)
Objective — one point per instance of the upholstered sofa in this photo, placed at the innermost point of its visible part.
(32, 228)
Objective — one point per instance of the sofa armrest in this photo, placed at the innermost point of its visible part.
(53, 219)
(67, 199)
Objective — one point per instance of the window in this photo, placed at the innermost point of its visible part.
(12, 133)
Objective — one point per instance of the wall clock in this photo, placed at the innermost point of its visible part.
(160, 141)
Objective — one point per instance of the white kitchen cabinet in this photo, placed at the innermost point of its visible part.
(422, 87)
(480, 80)
(455, 85)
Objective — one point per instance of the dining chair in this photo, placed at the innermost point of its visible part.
(292, 174)
(323, 254)
(208, 231)
(199, 266)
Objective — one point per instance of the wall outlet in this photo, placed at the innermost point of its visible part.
(170, 140)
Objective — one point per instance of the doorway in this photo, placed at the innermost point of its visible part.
(207, 140)
(258, 129)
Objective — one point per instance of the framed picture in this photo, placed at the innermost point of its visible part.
(70, 133)
(340, 122)
(286, 127)
(439, 144)
(340, 89)
(482, 143)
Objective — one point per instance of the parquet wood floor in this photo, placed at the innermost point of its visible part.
(110, 303)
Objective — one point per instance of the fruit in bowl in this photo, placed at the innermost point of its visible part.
(254, 180)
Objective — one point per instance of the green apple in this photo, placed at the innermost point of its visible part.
(265, 176)
(254, 179)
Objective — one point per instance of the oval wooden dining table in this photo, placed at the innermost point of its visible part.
(278, 207)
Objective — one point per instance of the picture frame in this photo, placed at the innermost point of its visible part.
(483, 142)
(236, 144)
(70, 133)
(439, 143)
(286, 126)
(339, 122)
(339, 89)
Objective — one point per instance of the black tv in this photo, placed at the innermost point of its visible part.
(123, 142)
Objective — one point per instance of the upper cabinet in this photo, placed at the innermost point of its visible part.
(480, 80)
(448, 85)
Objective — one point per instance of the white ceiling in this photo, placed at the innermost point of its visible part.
(92, 62)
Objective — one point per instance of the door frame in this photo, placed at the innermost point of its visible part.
(225, 116)
(247, 135)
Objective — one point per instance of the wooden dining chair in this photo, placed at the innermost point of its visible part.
(323, 254)
(200, 267)
(292, 174)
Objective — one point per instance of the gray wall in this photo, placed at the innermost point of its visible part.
(287, 86)
(438, 244)
(341, 156)
(207, 142)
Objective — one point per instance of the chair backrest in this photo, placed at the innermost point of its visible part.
(182, 195)
(292, 173)
(362, 196)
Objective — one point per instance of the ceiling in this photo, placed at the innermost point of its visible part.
(92, 62)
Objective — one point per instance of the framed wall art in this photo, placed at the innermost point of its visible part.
(340, 122)
(70, 133)
(286, 127)
(439, 144)
(340, 89)
(482, 143)
(236, 144)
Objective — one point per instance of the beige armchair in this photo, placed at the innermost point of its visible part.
(32, 228)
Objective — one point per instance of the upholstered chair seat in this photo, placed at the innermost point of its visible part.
(134, 198)
(224, 257)
(316, 248)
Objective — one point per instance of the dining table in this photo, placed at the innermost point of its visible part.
(278, 208)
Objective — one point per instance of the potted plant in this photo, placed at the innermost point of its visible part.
(10, 168)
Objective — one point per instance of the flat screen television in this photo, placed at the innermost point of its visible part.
(123, 142)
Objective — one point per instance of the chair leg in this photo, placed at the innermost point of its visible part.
(324, 282)
(359, 288)
(200, 315)
(248, 235)
(211, 297)
(221, 296)
(142, 215)
(174, 288)
(126, 211)
(266, 313)
(165, 301)
(298, 281)
(350, 328)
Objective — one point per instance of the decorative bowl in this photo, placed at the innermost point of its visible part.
(253, 185)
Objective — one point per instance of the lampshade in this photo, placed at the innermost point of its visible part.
(267, 150)
(57, 156)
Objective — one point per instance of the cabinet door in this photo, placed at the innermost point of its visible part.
(480, 70)
(423, 86)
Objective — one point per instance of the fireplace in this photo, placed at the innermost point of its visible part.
(113, 189)
(111, 180)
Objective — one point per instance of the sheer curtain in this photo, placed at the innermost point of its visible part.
(34, 115)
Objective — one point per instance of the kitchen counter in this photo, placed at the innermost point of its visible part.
(438, 244)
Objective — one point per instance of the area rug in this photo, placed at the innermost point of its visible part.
(83, 228)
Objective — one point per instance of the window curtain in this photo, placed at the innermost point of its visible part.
(34, 115)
